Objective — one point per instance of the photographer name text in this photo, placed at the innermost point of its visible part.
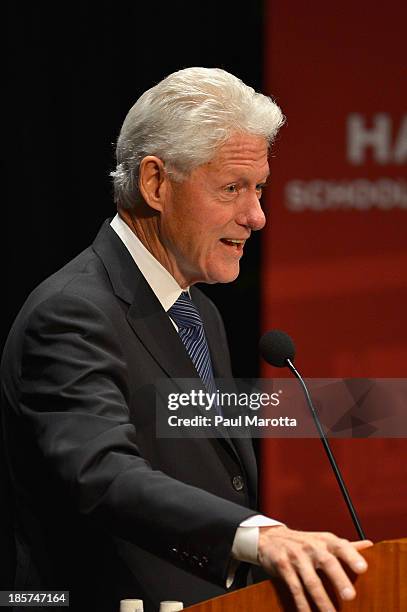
(246, 420)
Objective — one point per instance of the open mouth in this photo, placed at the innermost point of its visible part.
(234, 244)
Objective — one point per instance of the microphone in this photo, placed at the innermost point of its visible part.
(277, 348)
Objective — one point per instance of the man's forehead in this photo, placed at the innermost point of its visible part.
(242, 151)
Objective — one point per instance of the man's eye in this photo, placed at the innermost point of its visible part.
(231, 188)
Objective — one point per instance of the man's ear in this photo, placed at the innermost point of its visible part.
(153, 181)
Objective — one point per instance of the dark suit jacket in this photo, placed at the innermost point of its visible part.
(104, 508)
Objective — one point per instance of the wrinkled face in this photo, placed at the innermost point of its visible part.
(208, 217)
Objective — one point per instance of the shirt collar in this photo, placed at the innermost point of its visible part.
(160, 280)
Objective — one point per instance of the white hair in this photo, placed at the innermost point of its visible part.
(183, 120)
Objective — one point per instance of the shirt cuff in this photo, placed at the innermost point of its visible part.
(245, 543)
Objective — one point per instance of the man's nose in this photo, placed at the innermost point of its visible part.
(252, 215)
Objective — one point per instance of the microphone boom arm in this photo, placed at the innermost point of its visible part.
(328, 451)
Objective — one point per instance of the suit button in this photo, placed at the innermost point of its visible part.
(238, 483)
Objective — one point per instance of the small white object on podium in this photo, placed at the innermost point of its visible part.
(131, 605)
(171, 606)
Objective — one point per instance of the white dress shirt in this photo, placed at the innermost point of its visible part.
(168, 291)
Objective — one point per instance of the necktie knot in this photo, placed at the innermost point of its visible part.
(184, 312)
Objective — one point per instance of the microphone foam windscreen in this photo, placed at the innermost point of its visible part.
(275, 347)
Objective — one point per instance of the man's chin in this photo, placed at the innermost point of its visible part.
(226, 276)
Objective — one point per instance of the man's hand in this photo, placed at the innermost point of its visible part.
(296, 555)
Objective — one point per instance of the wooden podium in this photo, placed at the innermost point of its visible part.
(383, 588)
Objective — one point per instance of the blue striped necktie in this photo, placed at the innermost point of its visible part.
(192, 333)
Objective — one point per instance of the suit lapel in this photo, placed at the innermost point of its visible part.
(153, 327)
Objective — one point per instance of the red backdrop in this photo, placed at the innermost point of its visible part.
(335, 247)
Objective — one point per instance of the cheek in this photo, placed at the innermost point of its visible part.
(187, 221)
(189, 240)
(195, 225)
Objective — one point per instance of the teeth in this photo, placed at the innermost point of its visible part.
(234, 241)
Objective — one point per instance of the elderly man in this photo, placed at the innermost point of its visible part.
(104, 508)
